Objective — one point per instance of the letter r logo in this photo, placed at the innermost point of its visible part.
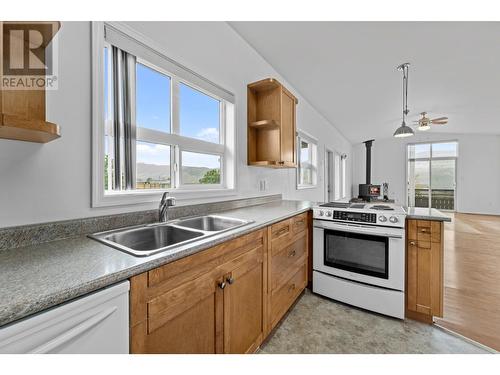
(24, 49)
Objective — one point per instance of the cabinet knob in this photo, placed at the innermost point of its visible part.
(412, 243)
(222, 285)
(423, 230)
(292, 253)
(230, 280)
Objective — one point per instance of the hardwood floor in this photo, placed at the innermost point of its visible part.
(472, 278)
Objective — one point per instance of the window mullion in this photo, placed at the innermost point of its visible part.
(175, 129)
(133, 128)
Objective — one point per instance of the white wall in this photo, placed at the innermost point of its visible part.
(40, 183)
(478, 168)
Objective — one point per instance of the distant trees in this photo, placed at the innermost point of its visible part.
(106, 160)
(211, 177)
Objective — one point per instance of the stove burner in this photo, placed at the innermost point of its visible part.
(357, 205)
(382, 207)
(335, 204)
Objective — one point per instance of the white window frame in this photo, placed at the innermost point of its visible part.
(227, 132)
(429, 159)
(303, 136)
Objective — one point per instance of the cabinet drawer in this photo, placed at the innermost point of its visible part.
(283, 298)
(299, 223)
(424, 234)
(181, 271)
(424, 230)
(286, 260)
(281, 233)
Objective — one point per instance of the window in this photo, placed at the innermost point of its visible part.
(432, 175)
(307, 156)
(340, 181)
(344, 179)
(157, 125)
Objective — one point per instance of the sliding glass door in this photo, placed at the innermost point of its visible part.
(432, 175)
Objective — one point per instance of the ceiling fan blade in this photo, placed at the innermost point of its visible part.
(439, 122)
(439, 119)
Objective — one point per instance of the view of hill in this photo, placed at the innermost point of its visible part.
(443, 175)
(190, 175)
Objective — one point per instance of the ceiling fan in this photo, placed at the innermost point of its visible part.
(424, 123)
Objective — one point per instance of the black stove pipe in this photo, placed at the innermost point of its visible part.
(368, 145)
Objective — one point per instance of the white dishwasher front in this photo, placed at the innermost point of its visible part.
(95, 323)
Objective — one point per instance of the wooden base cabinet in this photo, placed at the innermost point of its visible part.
(225, 299)
(210, 302)
(424, 270)
(288, 257)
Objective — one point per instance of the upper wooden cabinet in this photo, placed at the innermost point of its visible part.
(22, 111)
(424, 270)
(271, 125)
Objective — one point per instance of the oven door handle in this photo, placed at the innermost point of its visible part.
(357, 228)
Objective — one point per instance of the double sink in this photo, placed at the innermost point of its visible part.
(150, 239)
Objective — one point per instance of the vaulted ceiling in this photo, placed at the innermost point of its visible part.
(346, 70)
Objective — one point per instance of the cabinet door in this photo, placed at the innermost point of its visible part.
(288, 139)
(244, 305)
(424, 277)
(186, 319)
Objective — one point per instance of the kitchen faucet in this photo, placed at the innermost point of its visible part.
(165, 203)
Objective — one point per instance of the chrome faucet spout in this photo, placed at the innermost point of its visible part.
(165, 203)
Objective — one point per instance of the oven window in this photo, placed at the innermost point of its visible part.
(359, 253)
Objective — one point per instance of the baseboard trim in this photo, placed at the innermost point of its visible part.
(473, 342)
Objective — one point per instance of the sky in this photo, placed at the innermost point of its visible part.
(198, 117)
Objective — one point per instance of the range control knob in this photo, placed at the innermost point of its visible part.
(328, 213)
(393, 219)
(321, 213)
(382, 219)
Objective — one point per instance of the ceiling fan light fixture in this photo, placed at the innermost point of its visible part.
(403, 131)
(424, 127)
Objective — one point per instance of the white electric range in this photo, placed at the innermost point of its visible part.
(359, 255)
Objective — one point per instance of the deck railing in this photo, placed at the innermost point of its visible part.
(442, 199)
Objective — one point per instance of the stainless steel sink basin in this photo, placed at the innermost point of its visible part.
(211, 223)
(147, 240)
(153, 238)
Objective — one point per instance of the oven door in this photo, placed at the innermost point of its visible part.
(363, 253)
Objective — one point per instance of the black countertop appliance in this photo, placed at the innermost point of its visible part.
(368, 191)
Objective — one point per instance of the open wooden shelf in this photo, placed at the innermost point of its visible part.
(272, 164)
(22, 112)
(30, 130)
(265, 124)
(271, 125)
(264, 85)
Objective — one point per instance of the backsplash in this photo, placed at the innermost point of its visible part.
(14, 237)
